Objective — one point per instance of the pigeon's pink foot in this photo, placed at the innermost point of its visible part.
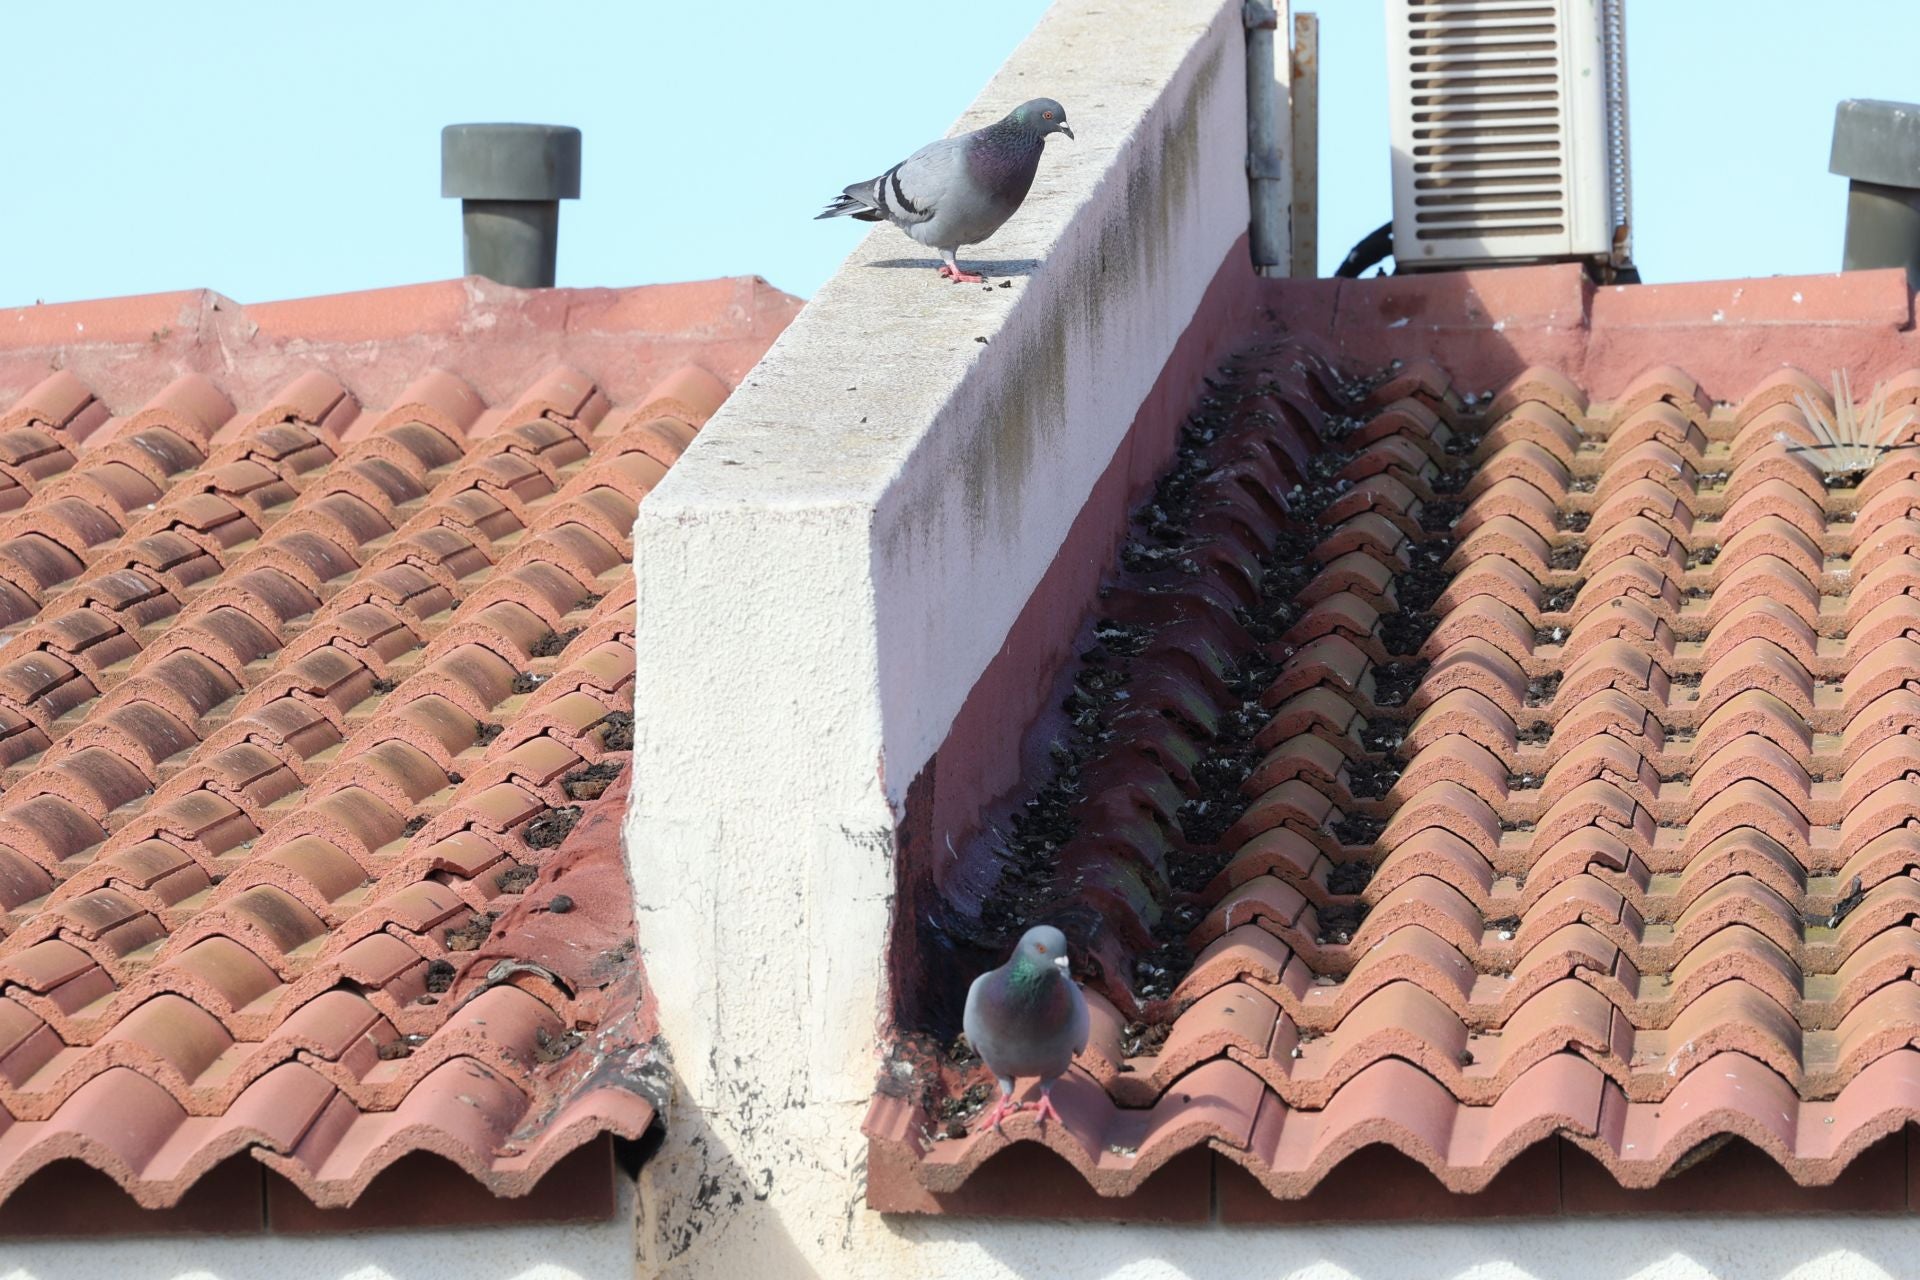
(1045, 1110)
(1005, 1107)
(958, 276)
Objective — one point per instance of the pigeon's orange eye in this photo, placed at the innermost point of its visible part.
(1046, 115)
(1041, 947)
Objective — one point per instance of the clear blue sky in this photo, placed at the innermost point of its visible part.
(247, 149)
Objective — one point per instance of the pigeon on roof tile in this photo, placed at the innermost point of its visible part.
(1027, 1018)
(959, 190)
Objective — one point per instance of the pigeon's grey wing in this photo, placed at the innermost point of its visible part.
(914, 190)
(972, 1021)
(1081, 1023)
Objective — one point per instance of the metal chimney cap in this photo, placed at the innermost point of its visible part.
(1877, 142)
(510, 162)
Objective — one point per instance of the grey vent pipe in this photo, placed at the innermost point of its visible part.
(510, 180)
(1876, 147)
(1267, 235)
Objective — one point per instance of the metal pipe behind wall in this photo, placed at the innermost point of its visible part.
(1267, 121)
(1303, 104)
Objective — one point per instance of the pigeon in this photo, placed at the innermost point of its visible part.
(1027, 1018)
(959, 190)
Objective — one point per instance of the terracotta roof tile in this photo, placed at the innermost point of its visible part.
(1557, 783)
(309, 681)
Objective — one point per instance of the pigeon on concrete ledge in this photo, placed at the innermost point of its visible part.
(959, 190)
(1027, 1018)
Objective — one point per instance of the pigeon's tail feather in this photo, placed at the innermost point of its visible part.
(849, 203)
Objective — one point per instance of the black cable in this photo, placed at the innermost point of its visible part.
(1375, 247)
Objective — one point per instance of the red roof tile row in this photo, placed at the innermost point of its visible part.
(300, 703)
(1572, 792)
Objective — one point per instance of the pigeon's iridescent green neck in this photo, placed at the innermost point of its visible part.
(1027, 974)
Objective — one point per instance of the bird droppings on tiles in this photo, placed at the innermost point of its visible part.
(517, 879)
(469, 935)
(1615, 727)
(1349, 877)
(957, 1114)
(616, 731)
(547, 830)
(591, 782)
(402, 1047)
(1143, 1039)
(549, 1047)
(553, 643)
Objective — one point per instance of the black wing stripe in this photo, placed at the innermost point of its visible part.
(893, 174)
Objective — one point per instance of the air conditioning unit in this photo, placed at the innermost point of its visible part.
(1509, 132)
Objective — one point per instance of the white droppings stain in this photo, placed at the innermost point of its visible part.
(1401, 323)
(1797, 297)
(1718, 316)
(78, 327)
(1499, 326)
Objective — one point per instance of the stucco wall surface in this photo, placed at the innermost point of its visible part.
(565, 1251)
(1812, 1248)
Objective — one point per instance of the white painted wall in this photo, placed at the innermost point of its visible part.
(1829, 1248)
(572, 1251)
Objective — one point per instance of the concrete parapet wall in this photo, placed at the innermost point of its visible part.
(827, 574)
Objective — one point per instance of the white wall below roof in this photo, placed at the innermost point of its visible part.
(562, 1251)
(1609, 1249)
(1809, 1248)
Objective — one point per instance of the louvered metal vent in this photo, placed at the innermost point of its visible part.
(1509, 131)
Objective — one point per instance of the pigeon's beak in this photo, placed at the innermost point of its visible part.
(1064, 966)
(1068, 132)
